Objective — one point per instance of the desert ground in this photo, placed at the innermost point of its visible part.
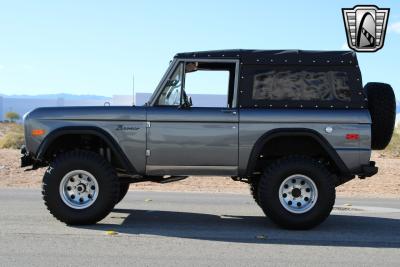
(386, 184)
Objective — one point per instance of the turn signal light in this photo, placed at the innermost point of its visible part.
(37, 132)
(352, 136)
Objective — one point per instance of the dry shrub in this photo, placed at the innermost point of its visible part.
(393, 149)
(12, 136)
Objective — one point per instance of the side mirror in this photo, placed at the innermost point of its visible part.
(187, 102)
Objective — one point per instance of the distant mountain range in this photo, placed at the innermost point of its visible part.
(56, 96)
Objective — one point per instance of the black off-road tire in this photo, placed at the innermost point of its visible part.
(96, 165)
(382, 107)
(277, 172)
(123, 190)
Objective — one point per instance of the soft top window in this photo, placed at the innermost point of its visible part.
(301, 86)
(292, 86)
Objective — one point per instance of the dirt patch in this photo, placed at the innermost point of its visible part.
(11, 175)
(384, 185)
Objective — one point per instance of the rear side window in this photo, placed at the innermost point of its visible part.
(302, 85)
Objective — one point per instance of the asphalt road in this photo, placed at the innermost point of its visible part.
(191, 229)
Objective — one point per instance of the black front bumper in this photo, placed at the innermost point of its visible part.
(26, 158)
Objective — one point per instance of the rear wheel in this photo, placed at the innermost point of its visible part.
(80, 187)
(297, 192)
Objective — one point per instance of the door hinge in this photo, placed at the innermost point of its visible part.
(147, 152)
(148, 124)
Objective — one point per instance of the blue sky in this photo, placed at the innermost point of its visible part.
(93, 47)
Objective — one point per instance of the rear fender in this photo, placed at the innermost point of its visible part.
(293, 132)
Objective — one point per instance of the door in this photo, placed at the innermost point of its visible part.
(197, 136)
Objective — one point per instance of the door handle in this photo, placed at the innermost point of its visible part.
(229, 111)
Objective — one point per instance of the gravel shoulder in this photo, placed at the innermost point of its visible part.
(384, 185)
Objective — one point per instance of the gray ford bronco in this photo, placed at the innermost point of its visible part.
(292, 124)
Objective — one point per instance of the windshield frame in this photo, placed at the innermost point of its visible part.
(162, 82)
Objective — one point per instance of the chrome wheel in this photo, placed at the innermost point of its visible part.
(298, 193)
(79, 189)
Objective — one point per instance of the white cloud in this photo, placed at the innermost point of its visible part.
(2, 67)
(395, 27)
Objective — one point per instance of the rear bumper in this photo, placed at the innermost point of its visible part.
(368, 170)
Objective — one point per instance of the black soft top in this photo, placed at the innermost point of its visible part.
(297, 57)
(303, 83)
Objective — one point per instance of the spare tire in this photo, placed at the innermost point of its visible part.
(382, 107)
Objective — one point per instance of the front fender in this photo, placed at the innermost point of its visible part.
(89, 130)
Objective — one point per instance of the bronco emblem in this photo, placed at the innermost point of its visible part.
(121, 127)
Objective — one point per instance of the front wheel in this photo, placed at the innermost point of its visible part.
(297, 192)
(80, 187)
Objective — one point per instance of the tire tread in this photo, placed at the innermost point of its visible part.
(84, 156)
(268, 202)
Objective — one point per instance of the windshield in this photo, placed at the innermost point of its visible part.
(171, 93)
(155, 93)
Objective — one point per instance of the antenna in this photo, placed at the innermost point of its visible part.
(133, 88)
